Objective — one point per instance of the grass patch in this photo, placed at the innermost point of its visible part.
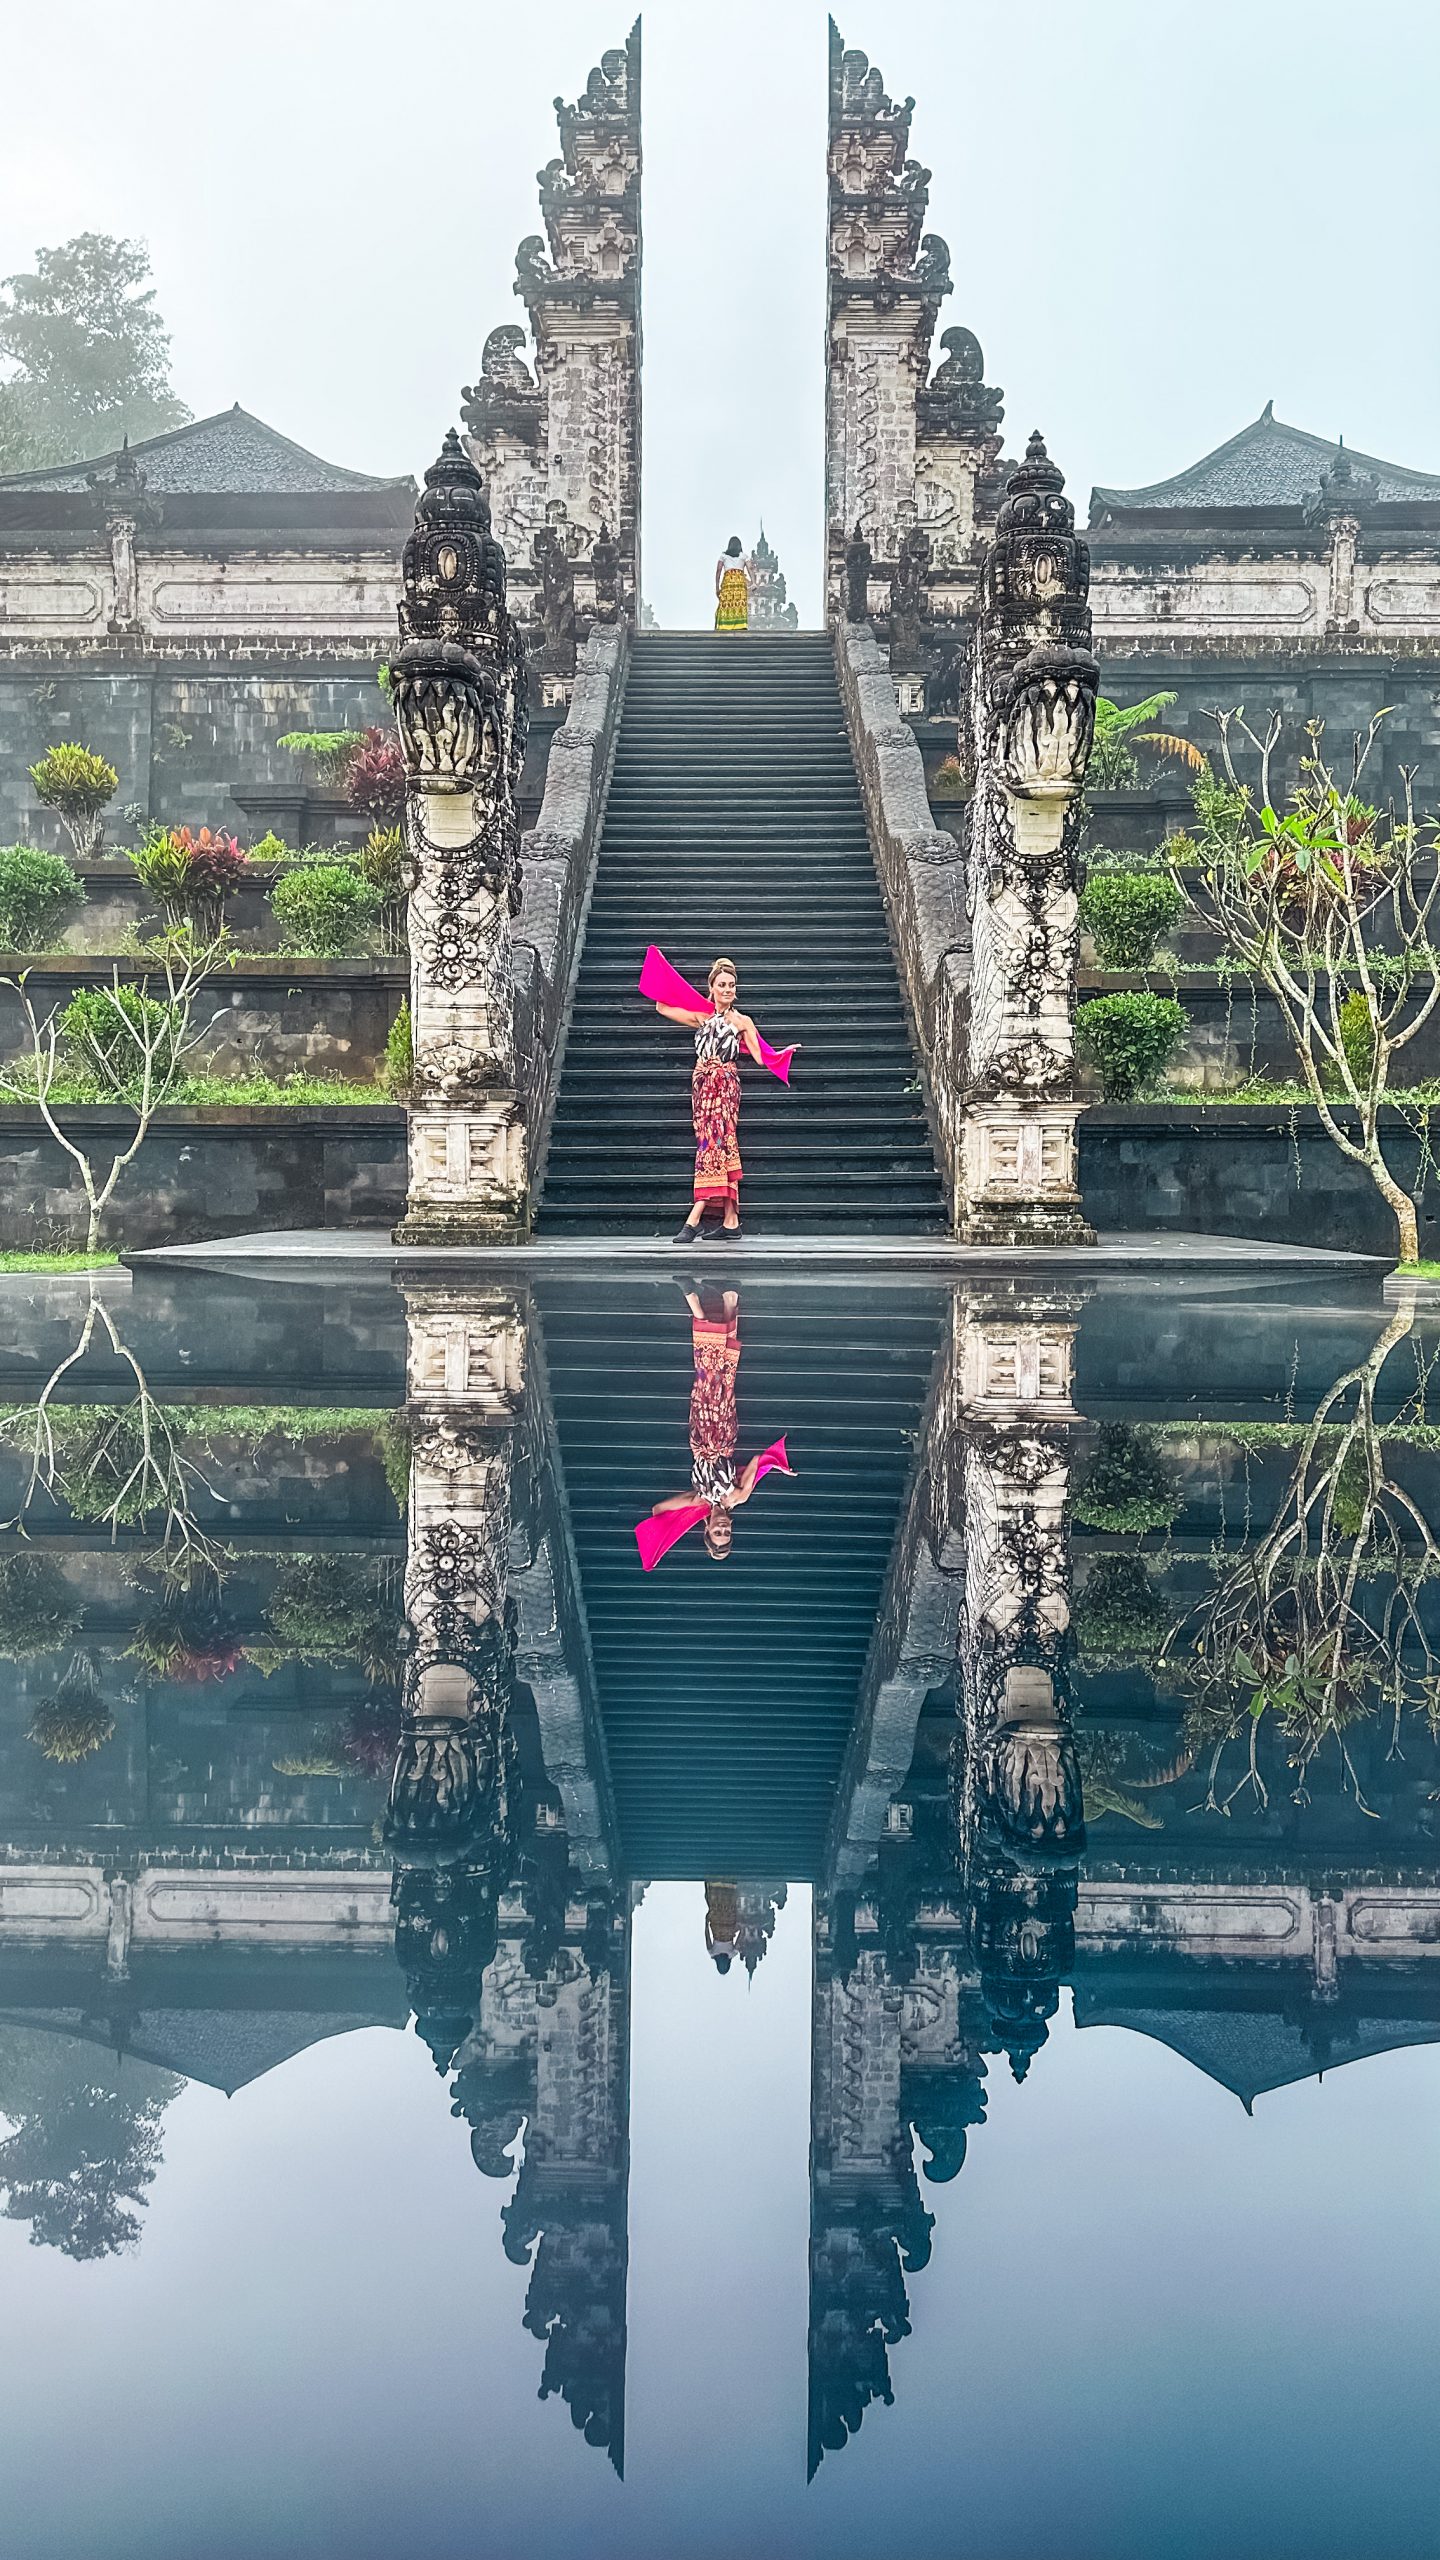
(297, 1091)
(58, 1261)
(1417, 1271)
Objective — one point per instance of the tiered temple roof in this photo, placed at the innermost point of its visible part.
(1268, 465)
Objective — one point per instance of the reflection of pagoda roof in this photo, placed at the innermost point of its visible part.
(1251, 2049)
(213, 2014)
(224, 2048)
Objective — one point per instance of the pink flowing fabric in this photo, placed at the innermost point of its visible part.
(664, 985)
(657, 1535)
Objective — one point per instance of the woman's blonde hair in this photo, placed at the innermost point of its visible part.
(715, 968)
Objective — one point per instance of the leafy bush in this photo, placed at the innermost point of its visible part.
(398, 1072)
(1126, 914)
(78, 786)
(39, 893)
(189, 1638)
(76, 1721)
(327, 751)
(190, 876)
(1130, 1039)
(103, 1029)
(271, 848)
(382, 861)
(329, 1612)
(1126, 1487)
(949, 782)
(1120, 1616)
(325, 909)
(38, 1610)
(375, 778)
(1357, 1035)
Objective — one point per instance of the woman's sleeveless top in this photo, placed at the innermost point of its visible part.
(718, 1036)
(712, 1478)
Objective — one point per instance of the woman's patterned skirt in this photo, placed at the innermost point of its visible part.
(732, 610)
(715, 1110)
(714, 1421)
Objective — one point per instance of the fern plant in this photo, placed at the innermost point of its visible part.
(1120, 730)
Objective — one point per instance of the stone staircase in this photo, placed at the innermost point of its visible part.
(728, 1690)
(734, 824)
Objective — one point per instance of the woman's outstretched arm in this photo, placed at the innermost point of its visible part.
(682, 1013)
(671, 1502)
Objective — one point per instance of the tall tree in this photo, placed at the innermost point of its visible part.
(87, 354)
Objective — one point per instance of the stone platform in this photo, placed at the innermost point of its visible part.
(369, 1248)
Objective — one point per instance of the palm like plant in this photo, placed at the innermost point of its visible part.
(1119, 731)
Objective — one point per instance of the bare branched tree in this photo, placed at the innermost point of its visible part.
(140, 1044)
(1330, 904)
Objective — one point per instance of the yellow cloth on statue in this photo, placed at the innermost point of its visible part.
(732, 612)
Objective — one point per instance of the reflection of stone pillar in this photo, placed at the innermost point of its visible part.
(450, 1787)
(1019, 1804)
(459, 691)
(1032, 716)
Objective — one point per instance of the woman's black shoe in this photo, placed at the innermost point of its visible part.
(686, 1234)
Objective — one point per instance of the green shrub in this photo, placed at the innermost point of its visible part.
(325, 909)
(1130, 1039)
(38, 1610)
(329, 752)
(39, 893)
(190, 876)
(271, 848)
(1127, 913)
(1120, 1617)
(398, 1072)
(1126, 1487)
(77, 785)
(102, 1029)
(1357, 1035)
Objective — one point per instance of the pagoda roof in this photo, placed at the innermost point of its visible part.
(1251, 2052)
(231, 454)
(1268, 465)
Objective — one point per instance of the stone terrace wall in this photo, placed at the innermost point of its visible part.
(558, 858)
(921, 872)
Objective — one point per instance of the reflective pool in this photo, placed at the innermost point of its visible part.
(643, 1920)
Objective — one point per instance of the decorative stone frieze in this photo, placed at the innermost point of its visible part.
(559, 446)
(1032, 717)
(459, 689)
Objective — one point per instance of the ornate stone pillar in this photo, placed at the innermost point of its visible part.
(458, 685)
(1032, 720)
(1019, 1807)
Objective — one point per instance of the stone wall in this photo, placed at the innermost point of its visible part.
(558, 859)
(204, 1173)
(275, 1017)
(921, 874)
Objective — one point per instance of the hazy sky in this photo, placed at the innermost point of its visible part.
(1157, 221)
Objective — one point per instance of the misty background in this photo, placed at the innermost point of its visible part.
(1156, 224)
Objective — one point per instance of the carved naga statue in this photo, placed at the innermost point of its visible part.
(458, 686)
(1032, 721)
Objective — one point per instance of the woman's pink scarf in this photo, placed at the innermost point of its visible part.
(657, 1535)
(664, 985)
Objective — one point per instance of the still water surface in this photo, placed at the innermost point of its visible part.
(908, 2026)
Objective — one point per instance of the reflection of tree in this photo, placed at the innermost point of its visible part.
(1317, 1625)
(128, 1467)
(85, 2141)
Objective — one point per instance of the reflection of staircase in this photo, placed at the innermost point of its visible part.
(727, 1691)
(734, 825)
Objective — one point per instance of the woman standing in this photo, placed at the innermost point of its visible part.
(715, 1096)
(732, 589)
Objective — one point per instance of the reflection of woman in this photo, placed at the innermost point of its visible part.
(714, 1424)
(715, 1096)
(732, 589)
(722, 1925)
